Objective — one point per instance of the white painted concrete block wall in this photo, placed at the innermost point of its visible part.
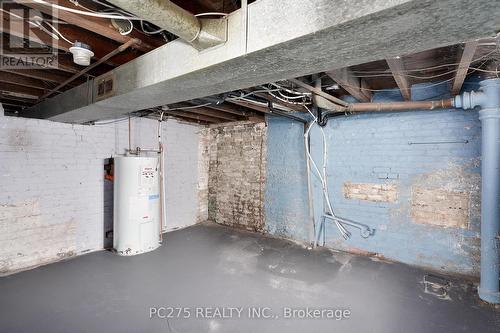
(52, 190)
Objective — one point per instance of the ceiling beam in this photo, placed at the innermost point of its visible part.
(42, 74)
(319, 92)
(24, 81)
(397, 68)
(187, 120)
(43, 39)
(20, 91)
(96, 25)
(353, 85)
(232, 109)
(195, 116)
(17, 100)
(214, 113)
(463, 67)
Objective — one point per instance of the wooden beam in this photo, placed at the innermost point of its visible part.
(20, 91)
(463, 66)
(23, 81)
(100, 46)
(397, 68)
(252, 106)
(65, 61)
(18, 100)
(353, 85)
(232, 109)
(42, 74)
(188, 120)
(97, 25)
(214, 113)
(194, 116)
(319, 92)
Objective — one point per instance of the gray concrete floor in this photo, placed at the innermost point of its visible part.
(208, 266)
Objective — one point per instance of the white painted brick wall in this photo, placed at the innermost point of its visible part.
(53, 201)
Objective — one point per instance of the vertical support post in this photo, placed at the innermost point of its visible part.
(489, 288)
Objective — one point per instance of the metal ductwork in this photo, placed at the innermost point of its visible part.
(200, 33)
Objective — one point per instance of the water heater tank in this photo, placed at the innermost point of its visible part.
(136, 225)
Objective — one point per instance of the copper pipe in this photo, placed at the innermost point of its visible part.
(400, 106)
(111, 54)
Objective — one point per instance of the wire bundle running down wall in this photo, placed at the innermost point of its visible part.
(322, 175)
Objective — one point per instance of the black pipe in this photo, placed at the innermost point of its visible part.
(324, 115)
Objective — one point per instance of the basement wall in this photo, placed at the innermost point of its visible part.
(237, 167)
(413, 176)
(54, 201)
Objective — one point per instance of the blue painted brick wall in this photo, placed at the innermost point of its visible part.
(374, 148)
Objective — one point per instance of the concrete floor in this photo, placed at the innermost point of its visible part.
(207, 266)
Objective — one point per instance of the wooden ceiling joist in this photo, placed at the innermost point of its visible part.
(195, 116)
(20, 91)
(232, 109)
(42, 74)
(398, 72)
(465, 60)
(215, 113)
(353, 85)
(24, 81)
(101, 26)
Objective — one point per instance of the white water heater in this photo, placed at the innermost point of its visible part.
(136, 225)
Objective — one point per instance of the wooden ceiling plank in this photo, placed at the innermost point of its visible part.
(353, 85)
(397, 68)
(463, 66)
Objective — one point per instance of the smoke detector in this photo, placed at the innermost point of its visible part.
(81, 53)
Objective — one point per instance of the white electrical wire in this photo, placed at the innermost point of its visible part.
(322, 175)
(212, 14)
(58, 32)
(82, 12)
(150, 32)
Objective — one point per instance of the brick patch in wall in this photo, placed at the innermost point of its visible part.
(371, 192)
(237, 166)
(440, 207)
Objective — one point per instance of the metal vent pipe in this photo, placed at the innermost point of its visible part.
(201, 33)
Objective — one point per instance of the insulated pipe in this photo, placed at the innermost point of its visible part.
(488, 98)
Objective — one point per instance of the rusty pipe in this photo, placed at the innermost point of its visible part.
(400, 106)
